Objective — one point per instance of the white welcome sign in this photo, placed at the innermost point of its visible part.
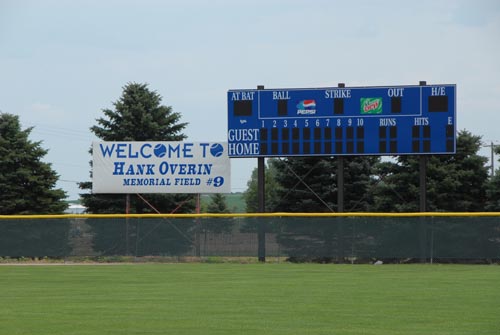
(160, 167)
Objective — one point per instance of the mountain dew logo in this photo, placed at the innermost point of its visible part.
(371, 105)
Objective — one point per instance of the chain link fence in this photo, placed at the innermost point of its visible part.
(346, 237)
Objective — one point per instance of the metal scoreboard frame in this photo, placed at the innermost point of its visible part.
(342, 121)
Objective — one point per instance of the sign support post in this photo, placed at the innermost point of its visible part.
(197, 231)
(127, 211)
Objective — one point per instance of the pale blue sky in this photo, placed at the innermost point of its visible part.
(62, 62)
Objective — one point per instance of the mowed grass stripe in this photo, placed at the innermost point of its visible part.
(249, 299)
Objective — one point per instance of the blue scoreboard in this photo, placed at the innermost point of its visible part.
(393, 120)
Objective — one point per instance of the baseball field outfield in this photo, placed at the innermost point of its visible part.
(200, 298)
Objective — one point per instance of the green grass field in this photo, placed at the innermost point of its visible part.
(258, 299)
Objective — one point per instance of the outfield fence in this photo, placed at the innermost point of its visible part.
(332, 237)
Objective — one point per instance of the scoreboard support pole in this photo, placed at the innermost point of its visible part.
(261, 195)
(423, 208)
(423, 200)
(423, 175)
(423, 183)
(340, 184)
(340, 208)
(340, 202)
(261, 232)
(340, 177)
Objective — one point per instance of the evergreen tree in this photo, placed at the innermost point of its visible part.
(309, 184)
(217, 204)
(454, 182)
(138, 115)
(27, 184)
(216, 225)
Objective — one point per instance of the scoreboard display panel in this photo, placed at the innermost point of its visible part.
(395, 120)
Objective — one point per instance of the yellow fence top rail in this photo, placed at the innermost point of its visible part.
(252, 215)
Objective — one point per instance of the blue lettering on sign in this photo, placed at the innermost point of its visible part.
(142, 150)
(185, 169)
(187, 150)
(146, 150)
(106, 151)
(133, 169)
(204, 147)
